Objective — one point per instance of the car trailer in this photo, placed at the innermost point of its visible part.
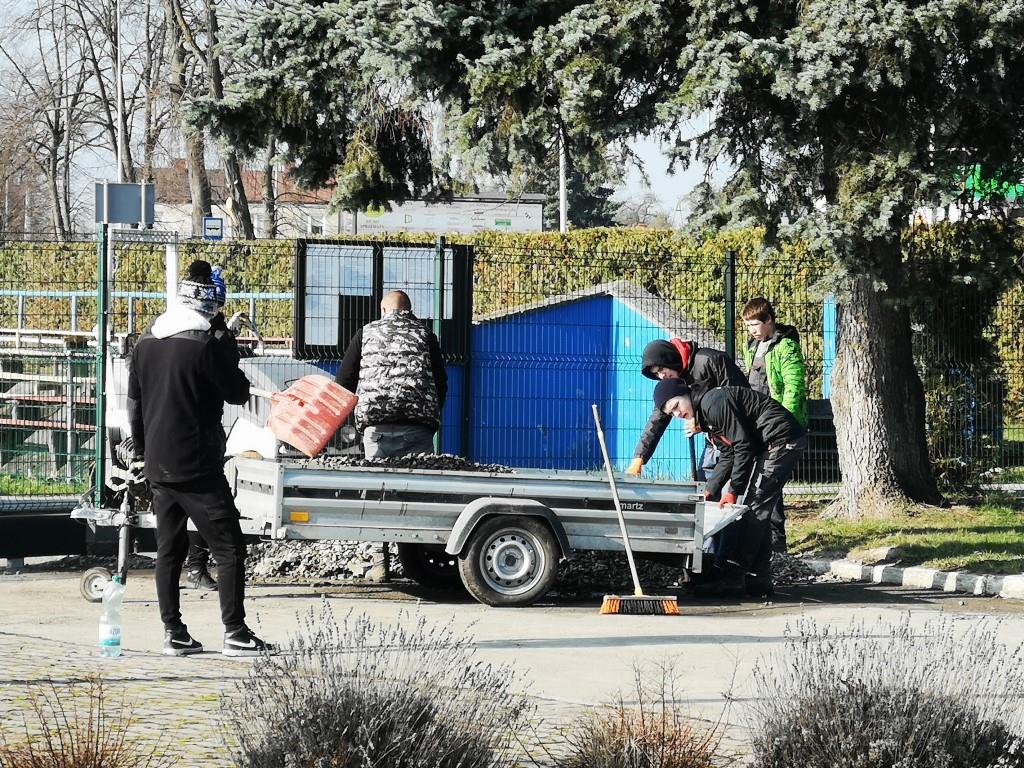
(502, 535)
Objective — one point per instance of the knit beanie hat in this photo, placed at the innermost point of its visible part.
(198, 290)
(667, 389)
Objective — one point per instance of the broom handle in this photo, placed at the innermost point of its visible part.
(618, 506)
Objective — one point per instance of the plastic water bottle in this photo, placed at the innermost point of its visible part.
(110, 621)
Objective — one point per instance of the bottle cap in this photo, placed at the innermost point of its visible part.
(116, 578)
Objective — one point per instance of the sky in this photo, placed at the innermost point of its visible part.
(671, 190)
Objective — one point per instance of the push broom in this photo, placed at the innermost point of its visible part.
(638, 603)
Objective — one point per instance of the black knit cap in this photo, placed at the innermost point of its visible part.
(667, 389)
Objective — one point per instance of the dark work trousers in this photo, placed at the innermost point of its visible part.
(208, 503)
(198, 553)
(390, 441)
(387, 441)
(753, 546)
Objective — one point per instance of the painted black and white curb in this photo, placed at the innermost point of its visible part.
(988, 585)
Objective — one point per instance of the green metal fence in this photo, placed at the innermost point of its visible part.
(966, 345)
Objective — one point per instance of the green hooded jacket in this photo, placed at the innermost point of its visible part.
(784, 369)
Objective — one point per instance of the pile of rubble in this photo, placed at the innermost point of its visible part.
(585, 574)
(605, 572)
(789, 570)
(446, 462)
(313, 561)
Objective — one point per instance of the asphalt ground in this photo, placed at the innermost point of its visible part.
(570, 657)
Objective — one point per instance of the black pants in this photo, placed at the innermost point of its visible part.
(198, 558)
(208, 503)
(753, 545)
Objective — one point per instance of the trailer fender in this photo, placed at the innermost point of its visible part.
(489, 506)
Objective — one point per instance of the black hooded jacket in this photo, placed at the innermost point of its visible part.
(743, 424)
(177, 387)
(702, 370)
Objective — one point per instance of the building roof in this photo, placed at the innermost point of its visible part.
(172, 187)
(656, 309)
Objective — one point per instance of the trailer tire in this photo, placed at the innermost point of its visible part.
(510, 561)
(430, 566)
(92, 584)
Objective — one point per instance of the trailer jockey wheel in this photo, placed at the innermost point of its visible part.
(430, 565)
(510, 561)
(93, 582)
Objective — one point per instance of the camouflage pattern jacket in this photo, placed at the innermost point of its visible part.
(395, 366)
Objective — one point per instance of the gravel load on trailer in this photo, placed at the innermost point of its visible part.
(445, 462)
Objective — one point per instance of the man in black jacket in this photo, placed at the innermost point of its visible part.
(761, 443)
(701, 370)
(184, 368)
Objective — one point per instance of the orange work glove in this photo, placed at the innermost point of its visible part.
(635, 466)
(728, 498)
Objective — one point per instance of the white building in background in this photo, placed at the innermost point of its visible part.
(303, 213)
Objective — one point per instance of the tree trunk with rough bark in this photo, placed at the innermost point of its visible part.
(232, 167)
(878, 398)
(195, 162)
(270, 193)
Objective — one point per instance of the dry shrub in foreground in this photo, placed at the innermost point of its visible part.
(75, 726)
(885, 696)
(355, 694)
(653, 734)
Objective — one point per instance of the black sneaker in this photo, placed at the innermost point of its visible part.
(200, 579)
(242, 642)
(178, 642)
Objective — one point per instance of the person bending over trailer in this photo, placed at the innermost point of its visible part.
(701, 370)
(184, 368)
(761, 443)
(394, 365)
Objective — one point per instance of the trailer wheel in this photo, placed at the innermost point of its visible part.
(93, 583)
(510, 561)
(430, 565)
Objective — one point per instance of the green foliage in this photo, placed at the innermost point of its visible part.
(957, 345)
(300, 75)
(18, 485)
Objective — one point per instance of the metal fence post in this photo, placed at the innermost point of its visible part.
(730, 303)
(102, 299)
(438, 313)
(69, 401)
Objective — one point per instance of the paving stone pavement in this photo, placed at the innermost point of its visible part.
(176, 701)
